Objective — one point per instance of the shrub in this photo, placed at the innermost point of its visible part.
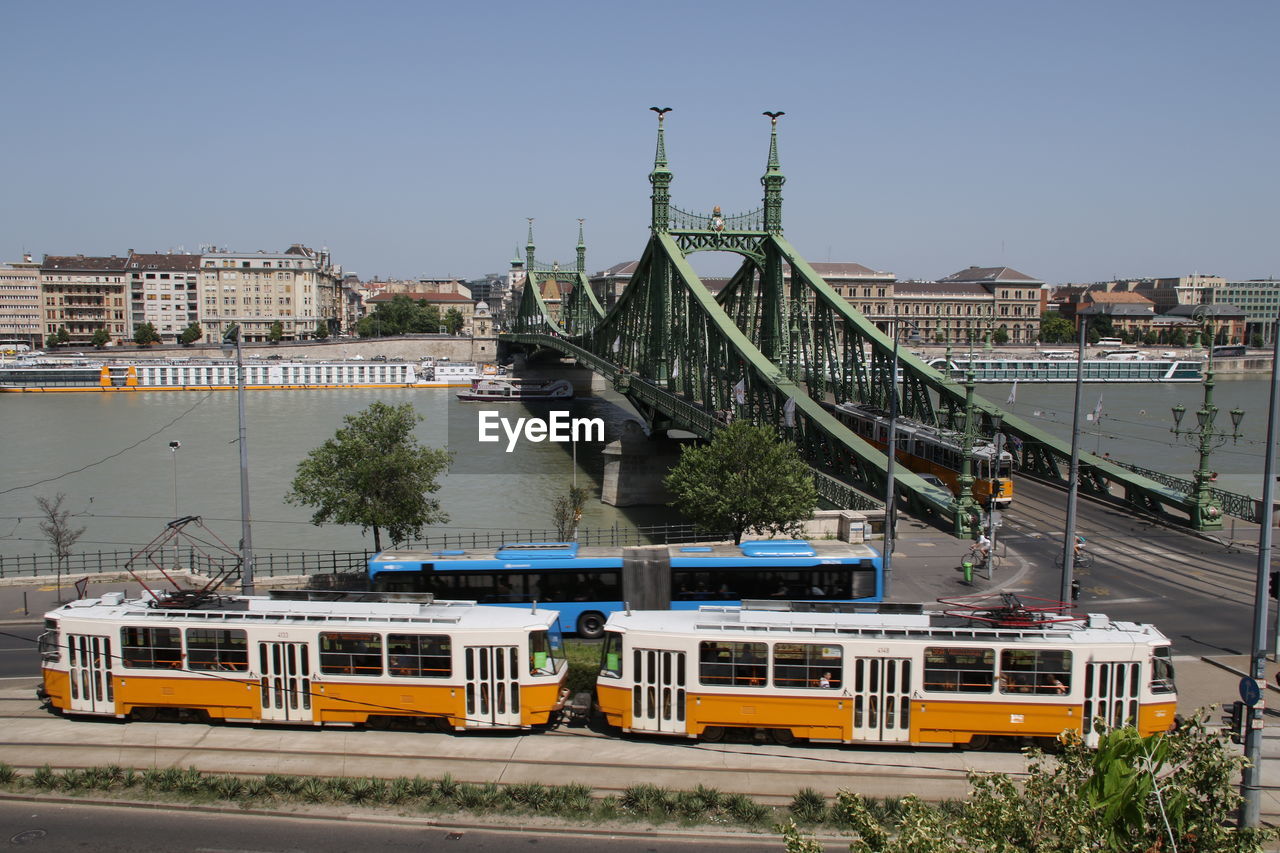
(44, 778)
(745, 810)
(7, 774)
(648, 800)
(314, 790)
(808, 806)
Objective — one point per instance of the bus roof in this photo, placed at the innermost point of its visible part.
(529, 554)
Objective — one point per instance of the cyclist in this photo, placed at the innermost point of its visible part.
(1079, 546)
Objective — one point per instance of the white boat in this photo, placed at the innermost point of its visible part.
(49, 375)
(1123, 368)
(500, 390)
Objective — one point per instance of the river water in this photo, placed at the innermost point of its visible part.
(109, 454)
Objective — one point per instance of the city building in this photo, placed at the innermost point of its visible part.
(1129, 313)
(82, 295)
(20, 316)
(298, 288)
(1259, 299)
(164, 290)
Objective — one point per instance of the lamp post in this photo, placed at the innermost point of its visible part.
(173, 451)
(1206, 512)
(891, 453)
(246, 526)
(967, 508)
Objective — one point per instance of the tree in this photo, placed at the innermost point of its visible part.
(191, 334)
(568, 512)
(1178, 338)
(1163, 792)
(101, 337)
(145, 335)
(1000, 336)
(454, 321)
(1150, 339)
(1255, 340)
(51, 340)
(1056, 329)
(322, 330)
(374, 473)
(64, 337)
(56, 527)
(746, 478)
(276, 334)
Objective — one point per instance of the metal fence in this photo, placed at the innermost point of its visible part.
(273, 563)
(1238, 506)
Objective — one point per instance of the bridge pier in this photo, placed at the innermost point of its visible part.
(634, 467)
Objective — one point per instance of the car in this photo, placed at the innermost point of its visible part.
(934, 480)
(275, 357)
(379, 358)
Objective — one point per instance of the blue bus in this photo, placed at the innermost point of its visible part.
(586, 584)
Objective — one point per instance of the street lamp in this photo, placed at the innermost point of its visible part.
(891, 453)
(173, 451)
(1206, 513)
(231, 342)
(967, 508)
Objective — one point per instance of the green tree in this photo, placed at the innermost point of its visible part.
(454, 321)
(374, 473)
(1150, 339)
(1178, 338)
(145, 335)
(1133, 794)
(1000, 336)
(276, 333)
(322, 330)
(1056, 329)
(746, 478)
(1255, 340)
(191, 334)
(567, 510)
(51, 340)
(101, 337)
(64, 337)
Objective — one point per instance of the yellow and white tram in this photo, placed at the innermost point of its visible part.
(268, 660)
(878, 678)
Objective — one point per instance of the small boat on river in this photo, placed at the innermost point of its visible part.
(502, 390)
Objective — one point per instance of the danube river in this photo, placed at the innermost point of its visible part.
(109, 454)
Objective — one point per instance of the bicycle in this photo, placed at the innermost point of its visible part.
(978, 557)
(1082, 560)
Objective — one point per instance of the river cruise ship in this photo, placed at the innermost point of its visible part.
(1106, 369)
(499, 390)
(51, 375)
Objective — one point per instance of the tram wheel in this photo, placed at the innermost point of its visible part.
(591, 625)
(712, 734)
(979, 742)
(144, 715)
(785, 737)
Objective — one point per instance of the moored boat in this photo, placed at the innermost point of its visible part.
(499, 390)
(1122, 368)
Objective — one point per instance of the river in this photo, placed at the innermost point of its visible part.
(109, 454)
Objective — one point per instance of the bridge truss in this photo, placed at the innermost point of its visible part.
(778, 345)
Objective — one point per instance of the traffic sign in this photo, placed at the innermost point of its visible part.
(1250, 693)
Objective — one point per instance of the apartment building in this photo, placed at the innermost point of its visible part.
(298, 288)
(164, 290)
(20, 317)
(84, 294)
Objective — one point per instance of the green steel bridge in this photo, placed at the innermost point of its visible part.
(774, 346)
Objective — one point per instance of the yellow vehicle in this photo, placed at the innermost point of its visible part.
(928, 679)
(257, 659)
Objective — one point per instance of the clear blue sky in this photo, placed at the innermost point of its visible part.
(1075, 141)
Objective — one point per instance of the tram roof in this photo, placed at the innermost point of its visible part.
(775, 620)
(248, 610)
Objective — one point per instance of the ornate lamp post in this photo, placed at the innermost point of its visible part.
(1206, 512)
(967, 509)
(246, 526)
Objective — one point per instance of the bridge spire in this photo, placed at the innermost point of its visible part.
(528, 248)
(660, 177)
(582, 249)
(773, 179)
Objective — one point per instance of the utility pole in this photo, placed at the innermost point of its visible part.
(1069, 534)
(246, 524)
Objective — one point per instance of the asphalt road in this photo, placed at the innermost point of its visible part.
(18, 656)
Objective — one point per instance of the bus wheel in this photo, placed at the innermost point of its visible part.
(712, 734)
(591, 625)
(979, 742)
(143, 715)
(785, 737)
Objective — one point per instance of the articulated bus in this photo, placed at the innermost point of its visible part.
(587, 584)
(929, 450)
(927, 679)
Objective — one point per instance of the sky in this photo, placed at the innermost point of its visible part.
(1074, 141)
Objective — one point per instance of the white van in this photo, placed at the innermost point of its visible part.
(1109, 342)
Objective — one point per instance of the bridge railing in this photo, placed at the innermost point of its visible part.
(684, 220)
(1239, 506)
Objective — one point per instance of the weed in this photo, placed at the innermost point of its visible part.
(45, 778)
(7, 774)
(398, 791)
(189, 781)
(745, 810)
(572, 799)
(648, 800)
(225, 787)
(689, 805)
(529, 795)
(253, 789)
(808, 806)
(314, 790)
(711, 798)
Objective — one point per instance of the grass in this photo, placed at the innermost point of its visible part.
(584, 665)
(574, 802)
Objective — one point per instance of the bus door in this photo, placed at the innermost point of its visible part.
(493, 685)
(284, 680)
(881, 699)
(89, 660)
(1110, 694)
(657, 695)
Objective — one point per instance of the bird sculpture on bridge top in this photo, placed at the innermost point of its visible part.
(773, 117)
(661, 111)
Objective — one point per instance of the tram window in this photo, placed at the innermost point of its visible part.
(420, 655)
(350, 654)
(611, 655)
(151, 648)
(1038, 671)
(732, 664)
(949, 670)
(806, 665)
(217, 648)
(544, 653)
(1161, 671)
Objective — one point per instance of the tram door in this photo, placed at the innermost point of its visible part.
(1110, 693)
(285, 681)
(657, 695)
(89, 658)
(881, 689)
(493, 685)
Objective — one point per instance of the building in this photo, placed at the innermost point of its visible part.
(82, 295)
(1130, 313)
(20, 316)
(298, 288)
(1228, 321)
(947, 312)
(867, 290)
(1259, 299)
(1016, 299)
(608, 284)
(164, 290)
